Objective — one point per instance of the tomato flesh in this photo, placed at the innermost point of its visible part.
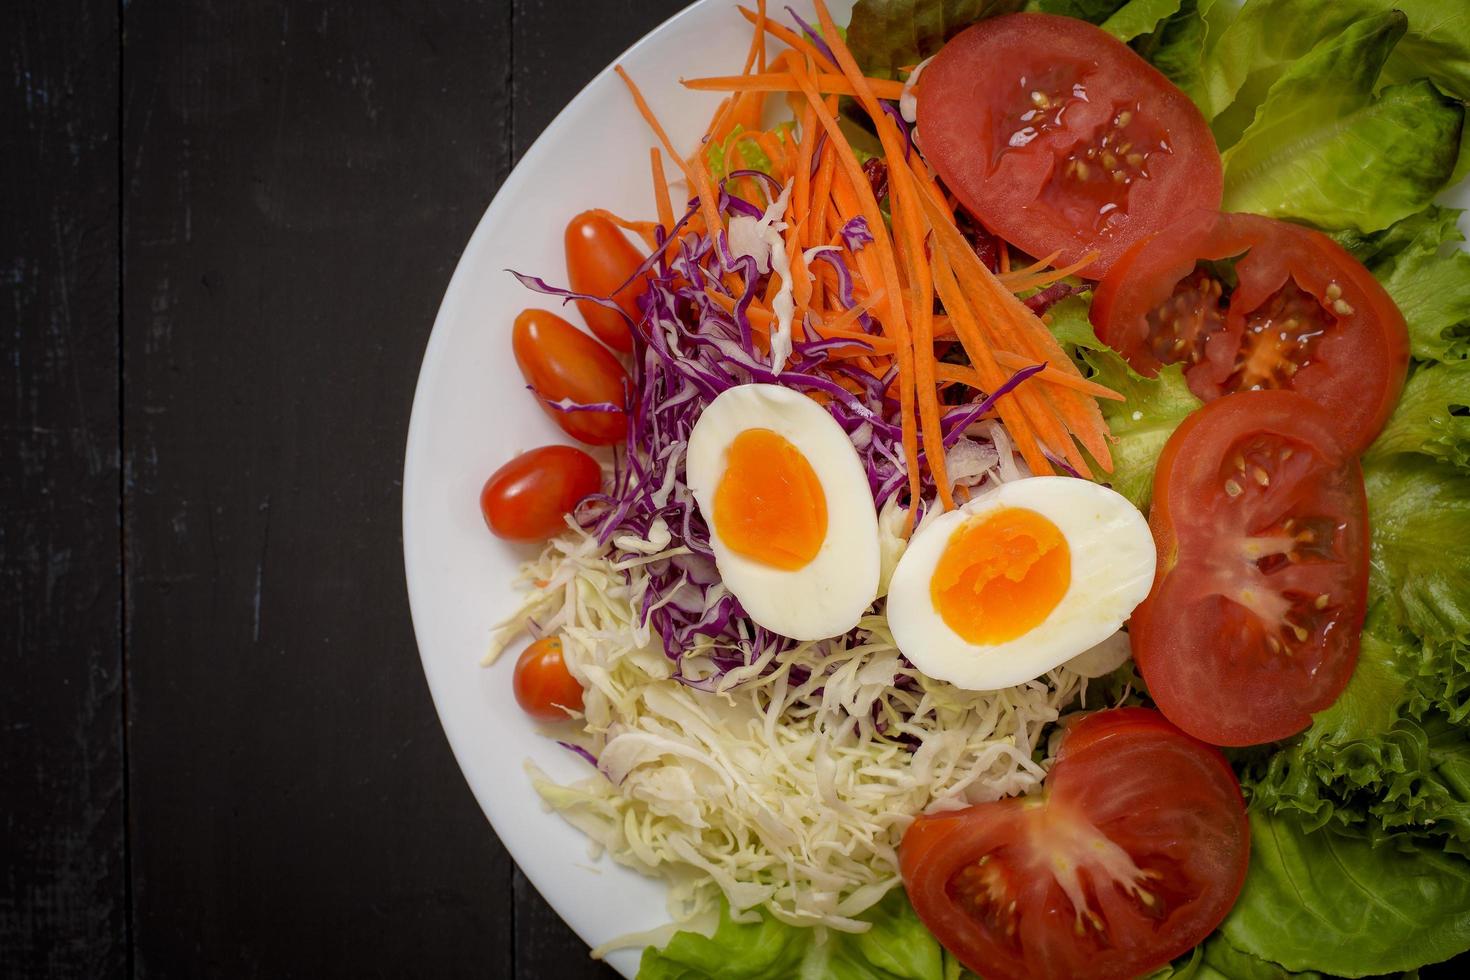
(1260, 521)
(1060, 138)
(529, 497)
(543, 685)
(1132, 854)
(563, 364)
(600, 259)
(1302, 315)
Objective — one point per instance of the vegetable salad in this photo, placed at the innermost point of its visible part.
(1031, 533)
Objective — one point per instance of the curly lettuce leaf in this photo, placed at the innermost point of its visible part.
(1329, 903)
(1433, 416)
(886, 35)
(1428, 277)
(1150, 412)
(1177, 45)
(897, 947)
(1321, 136)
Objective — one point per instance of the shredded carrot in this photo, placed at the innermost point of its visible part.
(1005, 257)
(784, 34)
(661, 191)
(696, 175)
(883, 88)
(643, 229)
(878, 264)
(1037, 275)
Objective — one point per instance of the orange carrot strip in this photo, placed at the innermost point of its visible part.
(697, 176)
(661, 190)
(968, 330)
(878, 265)
(907, 223)
(1025, 279)
(783, 33)
(784, 82)
(1018, 328)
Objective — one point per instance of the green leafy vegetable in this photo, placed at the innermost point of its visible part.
(1268, 35)
(1177, 45)
(1139, 17)
(1420, 555)
(886, 35)
(1428, 278)
(1093, 11)
(1322, 901)
(1433, 416)
(1150, 412)
(1321, 136)
(898, 947)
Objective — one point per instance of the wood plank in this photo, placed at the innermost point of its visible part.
(559, 46)
(63, 895)
(300, 179)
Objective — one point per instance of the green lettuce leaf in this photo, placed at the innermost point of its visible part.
(1177, 45)
(1138, 17)
(1150, 412)
(1321, 136)
(1420, 553)
(886, 35)
(1268, 35)
(1325, 902)
(898, 947)
(1433, 416)
(1428, 278)
(1093, 11)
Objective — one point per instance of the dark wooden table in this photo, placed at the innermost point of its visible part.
(226, 229)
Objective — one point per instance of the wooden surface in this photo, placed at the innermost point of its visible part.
(226, 230)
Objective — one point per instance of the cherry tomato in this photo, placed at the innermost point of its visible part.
(599, 260)
(1133, 853)
(1061, 139)
(563, 363)
(1261, 525)
(1303, 314)
(527, 498)
(543, 685)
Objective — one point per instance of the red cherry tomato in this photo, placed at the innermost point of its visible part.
(563, 363)
(1133, 853)
(599, 260)
(1261, 525)
(1061, 139)
(527, 498)
(543, 685)
(1303, 314)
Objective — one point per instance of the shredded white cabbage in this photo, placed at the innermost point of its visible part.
(784, 789)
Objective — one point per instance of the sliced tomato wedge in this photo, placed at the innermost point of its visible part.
(1059, 138)
(1302, 314)
(1133, 853)
(1261, 523)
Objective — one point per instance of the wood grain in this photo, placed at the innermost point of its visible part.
(300, 179)
(63, 901)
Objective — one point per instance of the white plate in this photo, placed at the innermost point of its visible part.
(471, 413)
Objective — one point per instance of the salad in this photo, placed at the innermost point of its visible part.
(1024, 529)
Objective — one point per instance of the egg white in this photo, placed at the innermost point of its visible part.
(827, 596)
(1113, 560)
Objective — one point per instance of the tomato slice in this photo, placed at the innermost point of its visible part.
(1133, 853)
(1261, 523)
(1302, 315)
(1061, 139)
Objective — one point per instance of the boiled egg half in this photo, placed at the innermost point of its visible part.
(791, 517)
(1018, 581)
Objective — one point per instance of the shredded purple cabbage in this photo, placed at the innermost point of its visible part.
(814, 36)
(856, 234)
(687, 350)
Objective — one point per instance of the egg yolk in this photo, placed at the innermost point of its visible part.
(1000, 575)
(769, 505)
